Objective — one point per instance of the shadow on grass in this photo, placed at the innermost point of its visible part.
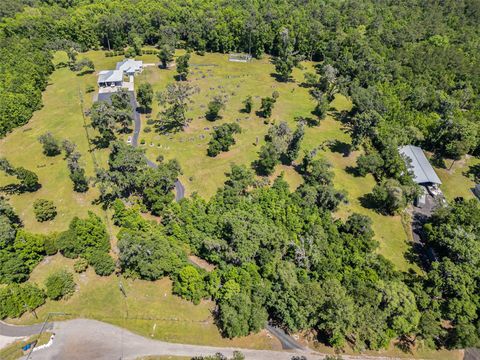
(473, 172)
(341, 147)
(85, 72)
(280, 78)
(353, 170)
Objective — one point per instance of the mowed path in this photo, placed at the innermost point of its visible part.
(94, 340)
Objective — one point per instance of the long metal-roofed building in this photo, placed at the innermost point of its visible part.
(423, 172)
(110, 78)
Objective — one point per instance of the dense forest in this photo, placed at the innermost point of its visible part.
(412, 71)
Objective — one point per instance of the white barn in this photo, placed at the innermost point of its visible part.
(423, 172)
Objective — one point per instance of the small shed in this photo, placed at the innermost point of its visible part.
(110, 78)
(423, 172)
(130, 66)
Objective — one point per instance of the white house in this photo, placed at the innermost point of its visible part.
(130, 66)
(110, 78)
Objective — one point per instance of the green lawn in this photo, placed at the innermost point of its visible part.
(455, 181)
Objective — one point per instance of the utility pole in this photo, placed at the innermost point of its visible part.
(42, 329)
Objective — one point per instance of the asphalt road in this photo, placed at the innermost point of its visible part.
(288, 343)
(179, 188)
(94, 340)
(16, 331)
(90, 339)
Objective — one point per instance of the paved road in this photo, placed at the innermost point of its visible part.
(16, 331)
(179, 188)
(288, 342)
(94, 340)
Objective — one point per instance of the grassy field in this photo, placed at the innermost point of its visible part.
(214, 75)
(455, 181)
(149, 308)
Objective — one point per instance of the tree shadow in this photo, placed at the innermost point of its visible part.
(341, 147)
(168, 128)
(368, 202)
(438, 161)
(343, 116)
(280, 78)
(16, 189)
(353, 170)
(212, 117)
(86, 72)
(309, 121)
(473, 172)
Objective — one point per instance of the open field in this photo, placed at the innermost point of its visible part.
(214, 75)
(149, 308)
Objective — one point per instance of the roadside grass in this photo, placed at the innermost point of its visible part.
(149, 308)
(14, 351)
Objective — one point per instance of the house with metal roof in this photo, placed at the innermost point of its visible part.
(423, 172)
(110, 78)
(130, 66)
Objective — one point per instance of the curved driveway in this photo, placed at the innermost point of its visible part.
(179, 188)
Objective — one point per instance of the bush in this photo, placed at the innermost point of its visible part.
(147, 129)
(80, 265)
(142, 141)
(44, 210)
(60, 285)
(51, 146)
(50, 244)
(90, 88)
(102, 263)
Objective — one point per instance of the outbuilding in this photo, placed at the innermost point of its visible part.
(130, 66)
(110, 78)
(423, 172)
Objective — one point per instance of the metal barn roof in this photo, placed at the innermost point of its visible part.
(130, 66)
(110, 76)
(422, 170)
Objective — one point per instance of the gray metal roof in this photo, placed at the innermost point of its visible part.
(110, 76)
(422, 170)
(130, 66)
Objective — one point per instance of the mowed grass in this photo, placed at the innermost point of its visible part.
(455, 181)
(149, 308)
(214, 75)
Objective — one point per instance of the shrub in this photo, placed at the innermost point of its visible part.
(44, 210)
(90, 88)
(147, 129)
(80, 265)
(214, 107)
(51, 146)
(101, 262)
(50, 244)
(60, 285)
(142, 141)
